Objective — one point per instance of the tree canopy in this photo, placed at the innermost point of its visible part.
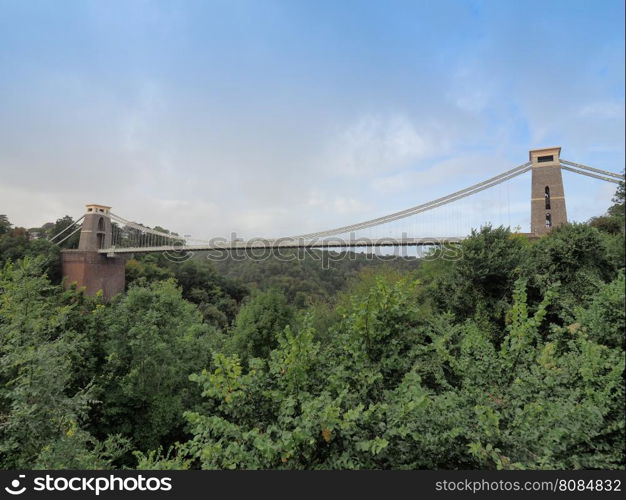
(511, 357)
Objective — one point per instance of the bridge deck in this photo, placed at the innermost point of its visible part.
(261, 244)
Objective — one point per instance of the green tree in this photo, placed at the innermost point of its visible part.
(217, 297)
(481, 281)
(40, 415)
(258, 324)
(608, 224)
(574, 257)
(152, 340)
(67, 239)
(5, 225)
(542, 397)
(617, 209)
(15, 243)
(604, 320)
(145, 270)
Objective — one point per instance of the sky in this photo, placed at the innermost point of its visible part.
(271, 118)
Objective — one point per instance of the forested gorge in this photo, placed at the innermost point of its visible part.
(511, 357)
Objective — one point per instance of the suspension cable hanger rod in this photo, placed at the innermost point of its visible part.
(425, 206)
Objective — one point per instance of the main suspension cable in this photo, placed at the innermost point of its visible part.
(520, 169)
(69, 235)
(66, 228)
(592, 169)
(590, 174)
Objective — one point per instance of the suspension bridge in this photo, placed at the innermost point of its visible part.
(106, 238)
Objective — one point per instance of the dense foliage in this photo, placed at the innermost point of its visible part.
(511, 357)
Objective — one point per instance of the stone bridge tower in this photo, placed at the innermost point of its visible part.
(547, 205)
(86, 267)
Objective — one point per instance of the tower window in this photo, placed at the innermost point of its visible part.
(543, 159)
(548, 220)
(101, 224)
(547, 195)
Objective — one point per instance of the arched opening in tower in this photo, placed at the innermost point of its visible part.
(100, 234)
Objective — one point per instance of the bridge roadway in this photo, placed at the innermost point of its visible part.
(266, 244)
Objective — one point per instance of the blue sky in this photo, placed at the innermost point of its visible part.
(282, 117)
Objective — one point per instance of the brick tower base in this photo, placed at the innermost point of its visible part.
(94, 271)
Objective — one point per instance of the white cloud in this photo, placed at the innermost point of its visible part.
(336, 204)
(465, 169)
(378, 143)
(469, 90)
(604, 110)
